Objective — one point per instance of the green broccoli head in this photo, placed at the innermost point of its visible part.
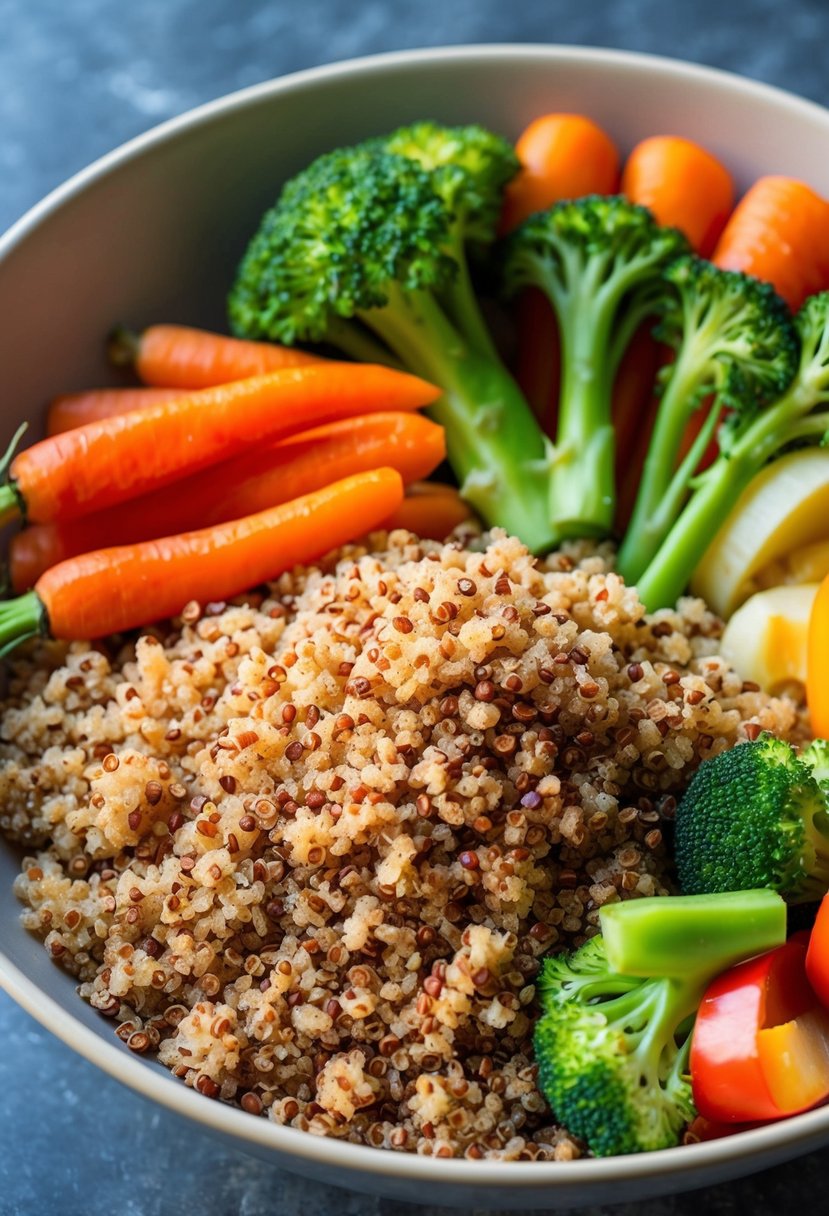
(736, 333)
(816, 756)
(596, 246)
(599, 260)
(363, 251)
(812, 326)
(352, 227)
(612, 1053)
(754, 816)
(470, 167)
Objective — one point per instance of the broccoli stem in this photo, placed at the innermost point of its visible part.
(717, 490)
(353, 340)
(582, 486)
(690, 935)
(462, 305)
(493, 440)
(674, 1001)
(662, 488)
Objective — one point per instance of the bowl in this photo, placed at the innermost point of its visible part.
(153, 231)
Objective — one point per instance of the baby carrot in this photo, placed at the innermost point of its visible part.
(246, 484)
(107, 462)
(779, 232)
(112, 590)
(683, 185)
(430, 510)
(177, 356)
(562, 156)
(76, 409)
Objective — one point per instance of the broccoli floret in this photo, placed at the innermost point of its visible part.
(612, 1049)
(599, 261)
(754, 816)
(364, 250)
(736, 350)
(469, 166)
(749, 439)
(816, 756)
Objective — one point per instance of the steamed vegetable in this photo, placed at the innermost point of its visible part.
(111, 590)
(430, 510)
(779, 232)
(817, 955)
(612, 1048)
(243, 485)
(760, 1047)
(735, 350)
(562, 156)
(366, 249)
(749, 439)
(683, 185)
(77, 409)
(107, 462)
(817, 662)
(754, 816)
(599, 262)
(178, 356)
(784, 508)
(766, 638)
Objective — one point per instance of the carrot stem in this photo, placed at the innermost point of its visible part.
(123, 346)
(11, 504)
(21, 619)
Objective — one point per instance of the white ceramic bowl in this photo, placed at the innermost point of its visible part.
(153, 232)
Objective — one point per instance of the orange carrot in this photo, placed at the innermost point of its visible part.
(636, 432)
(241, 486)
(76, 409)
(562, 156)
(538, 360)
(633, 390)
(692, 430)
(111, 590)
(779, 232)
(683, 185)
(430, 510)
(176, 356)
(108, 462)
(633, 437)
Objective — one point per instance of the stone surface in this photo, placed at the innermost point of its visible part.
(79, 78)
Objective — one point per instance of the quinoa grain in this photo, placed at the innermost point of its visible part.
(318, 872)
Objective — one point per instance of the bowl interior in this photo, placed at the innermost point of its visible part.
(154, 232)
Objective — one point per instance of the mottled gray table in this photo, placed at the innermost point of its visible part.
(78, 77)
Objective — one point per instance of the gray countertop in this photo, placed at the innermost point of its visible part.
(77, 79)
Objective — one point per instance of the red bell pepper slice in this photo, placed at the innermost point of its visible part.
(817, 956)
(760, 1047)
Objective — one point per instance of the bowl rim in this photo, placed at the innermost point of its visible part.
(806, 1130)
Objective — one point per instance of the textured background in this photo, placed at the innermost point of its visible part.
(77, 78)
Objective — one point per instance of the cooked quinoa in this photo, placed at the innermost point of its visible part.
(310, 847)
